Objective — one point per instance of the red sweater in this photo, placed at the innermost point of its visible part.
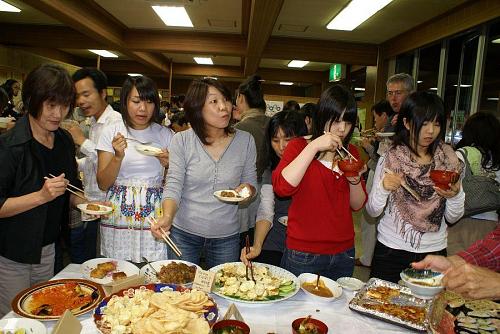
(320, 216)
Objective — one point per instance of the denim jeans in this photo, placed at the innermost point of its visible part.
(217, 250)
(329, 265)
(83, 241)
(388, 262)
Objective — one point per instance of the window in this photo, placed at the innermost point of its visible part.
(491, 83)
(428, 68)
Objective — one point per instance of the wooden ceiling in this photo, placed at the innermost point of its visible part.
(242, 36)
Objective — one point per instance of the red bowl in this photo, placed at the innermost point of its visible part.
(322, 328)
(351, 167)
(442, 178)
(231, 323)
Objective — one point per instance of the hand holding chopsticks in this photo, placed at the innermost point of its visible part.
(247, 246)
(404, 185)
(55, 187)
(341, 147)
(165, 237)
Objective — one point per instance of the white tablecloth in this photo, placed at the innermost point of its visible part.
(272, 318)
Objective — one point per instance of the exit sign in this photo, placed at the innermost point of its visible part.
(336, 72)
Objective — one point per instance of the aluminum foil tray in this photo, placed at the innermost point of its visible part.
(405, 298)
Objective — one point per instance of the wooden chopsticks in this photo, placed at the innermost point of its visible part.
(346, 150)
(247, 246)
(404, 185)
(71, 191)
(165, 237)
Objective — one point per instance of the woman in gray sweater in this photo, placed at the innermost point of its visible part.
(208, 157)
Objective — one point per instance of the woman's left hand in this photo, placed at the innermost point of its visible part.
(451, 192)
(163, 157)
(356, 179)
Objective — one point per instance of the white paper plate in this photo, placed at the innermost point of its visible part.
(103, 209)
(274, 271)
(127, 267)
(31, 326)
(150, 276)
(235, 199)
(148, 150)
(283, 220)
(350, 283)
(385, 134)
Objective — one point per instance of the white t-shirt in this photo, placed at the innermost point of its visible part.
(136, 165)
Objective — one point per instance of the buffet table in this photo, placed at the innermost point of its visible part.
(272, 318)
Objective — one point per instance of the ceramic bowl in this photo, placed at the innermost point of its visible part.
(334, 287)
(350, 167)
(442, 178)
(419, 290)
(321, 326)
(223, 324)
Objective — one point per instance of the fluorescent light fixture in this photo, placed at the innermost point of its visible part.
(203, 60)
(5, 7)
(104, 53)
(298, 63)
(361, 89)
(355, 13)
(492, 99)
(433, 88)
(213, 78)
(134, 74)
(496, 41)
(173, 16)
(286, 83)
(463, 86)
(419, 81)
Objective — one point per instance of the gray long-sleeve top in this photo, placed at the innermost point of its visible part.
(193, 176)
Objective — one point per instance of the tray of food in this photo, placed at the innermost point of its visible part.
(393, 303)
(106, 270)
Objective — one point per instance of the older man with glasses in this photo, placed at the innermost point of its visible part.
(399, 86)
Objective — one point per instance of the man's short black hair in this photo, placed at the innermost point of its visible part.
(98, 77)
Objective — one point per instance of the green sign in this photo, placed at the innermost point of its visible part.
(335, 72)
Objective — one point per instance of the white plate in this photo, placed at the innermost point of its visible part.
(334, 287)
(31, 326)
(148, 150)
(150, 276)
(127, 267)
(274, 271)
(350, 283)
(283, 220)
(235, 199)
(103, 209)
(385, 134)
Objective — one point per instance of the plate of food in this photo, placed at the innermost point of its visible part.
(21, 326)
(148, 150)
(168, 308)
(94, 209)
(385, 134)
(49, 300)
(105, 270)
(231, 195)
(272, 284)
(170, 271)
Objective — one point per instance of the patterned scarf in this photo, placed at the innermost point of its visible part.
(418, 217)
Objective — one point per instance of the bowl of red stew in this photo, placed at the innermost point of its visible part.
(309, 325)
(351, 167)
(442, 178)
(230, 327)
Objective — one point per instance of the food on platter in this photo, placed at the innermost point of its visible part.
(93, 207)
(226, 193)
(422, 277)
(17, 331)
(143, 310)
(414, 314)
(383, 293)
(231, 281)
(176, 272)
(319, 290)
(53, 301)
(118, 275)
(245, 192)
(103, 269)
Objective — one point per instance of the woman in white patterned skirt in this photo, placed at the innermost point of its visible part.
(131, 176)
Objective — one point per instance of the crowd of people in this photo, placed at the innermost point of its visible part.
(299, 212)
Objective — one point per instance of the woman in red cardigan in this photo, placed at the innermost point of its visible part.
(320, 234)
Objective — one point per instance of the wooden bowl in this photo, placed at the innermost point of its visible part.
(442, 178)
(351, 167)
(321, 326)
(230, 323)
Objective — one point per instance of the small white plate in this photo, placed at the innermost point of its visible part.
(127, 267)
(350, 283)
(237, 198)
(385, 134)
(31, 326)
(103, 209)
(148, 150)
(333, 286)
(283, 220)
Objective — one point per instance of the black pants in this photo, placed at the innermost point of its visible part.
(388, 263)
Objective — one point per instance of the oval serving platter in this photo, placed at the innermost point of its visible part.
(21, 304)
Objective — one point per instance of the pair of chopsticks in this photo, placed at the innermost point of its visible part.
(165, 237)
(404, 185)
(345, 150)
(79, 194)
(247, 246)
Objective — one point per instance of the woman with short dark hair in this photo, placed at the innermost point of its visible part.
(33, 206)
(208, 157)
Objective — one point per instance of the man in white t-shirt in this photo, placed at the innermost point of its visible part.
(90, 85)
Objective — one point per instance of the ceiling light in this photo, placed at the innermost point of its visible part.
(203, 60)
(492, 99)
(286, 83)
(463, 86)
(104, 53)
(433, 88)
(213, 78)
(173, 16)
(361, 89)
(496, 41)
(135, 74)
(355, 13)
(5, 7)
(298, 63)
(419, 81)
